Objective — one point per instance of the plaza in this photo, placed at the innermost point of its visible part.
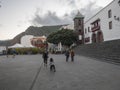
(27, 72)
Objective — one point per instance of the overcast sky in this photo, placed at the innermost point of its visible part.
(17, 15)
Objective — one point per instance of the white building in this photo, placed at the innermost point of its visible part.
(70, 27)
(105, 25)
(26, 40)
(2, 48)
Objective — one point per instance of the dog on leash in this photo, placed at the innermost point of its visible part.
(52, 65)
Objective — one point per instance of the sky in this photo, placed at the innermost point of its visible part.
(17, 15)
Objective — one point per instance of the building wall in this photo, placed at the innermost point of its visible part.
(25, 40)
(2, 48)
(108, 34)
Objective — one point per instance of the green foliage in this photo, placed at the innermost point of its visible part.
(65, 36)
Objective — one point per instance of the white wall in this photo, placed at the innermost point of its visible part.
(25, 40)
(2, 48)
(113, 33)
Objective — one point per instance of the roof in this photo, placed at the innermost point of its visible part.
(79, 15)
(17, 45)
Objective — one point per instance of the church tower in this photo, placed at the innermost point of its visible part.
(79, 27)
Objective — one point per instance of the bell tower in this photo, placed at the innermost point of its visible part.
(79, 27)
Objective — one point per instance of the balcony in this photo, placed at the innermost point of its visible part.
(96, 28)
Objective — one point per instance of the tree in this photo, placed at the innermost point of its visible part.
(65, 36)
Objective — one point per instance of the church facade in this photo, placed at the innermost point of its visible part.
(104, 26)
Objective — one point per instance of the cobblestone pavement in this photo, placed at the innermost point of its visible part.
(26, 72)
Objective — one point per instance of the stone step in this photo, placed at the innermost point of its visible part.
(109, 51)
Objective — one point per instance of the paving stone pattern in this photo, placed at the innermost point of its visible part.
(84, 73)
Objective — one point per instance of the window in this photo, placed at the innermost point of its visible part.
(109, 14)
(85, 30)
(80, 31)
(88, 29)
(110, 25)
(87, 39)
(79, 22)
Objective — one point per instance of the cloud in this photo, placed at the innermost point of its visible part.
(71, 3)
(90, 10)
(1, 25)
(52, 17)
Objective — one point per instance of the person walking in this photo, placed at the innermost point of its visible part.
(13, 52)
(72, 54)
(67, 55)
(45, 58)
(7, 51)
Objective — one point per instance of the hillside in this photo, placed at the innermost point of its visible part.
(36, 31)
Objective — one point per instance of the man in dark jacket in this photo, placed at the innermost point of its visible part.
(45, 58)
(67, 55)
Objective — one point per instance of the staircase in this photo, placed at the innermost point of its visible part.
(106, 51)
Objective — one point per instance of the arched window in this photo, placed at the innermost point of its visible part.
(94, 40)
(100, 36)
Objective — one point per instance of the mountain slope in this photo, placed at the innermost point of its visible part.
(36, 31)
